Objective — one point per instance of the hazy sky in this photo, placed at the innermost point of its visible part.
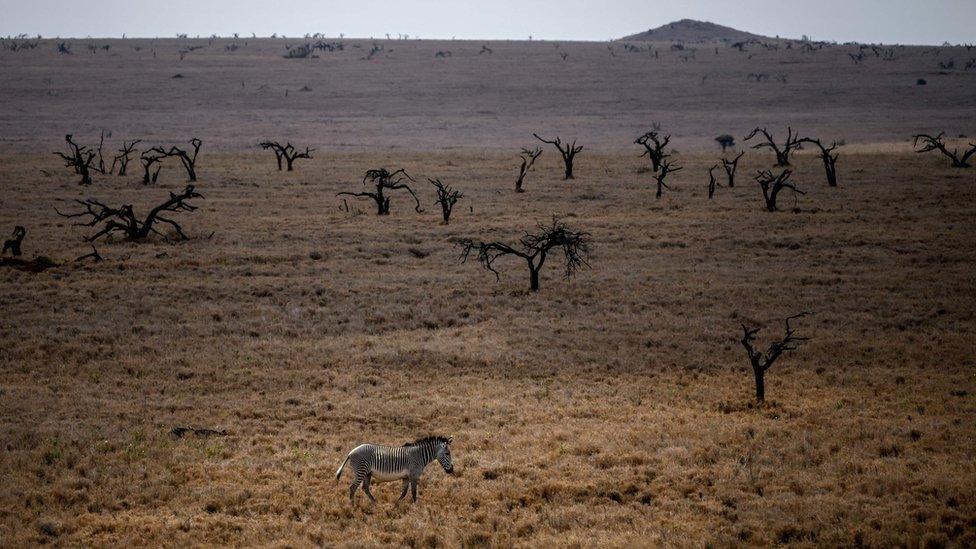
(890, 21)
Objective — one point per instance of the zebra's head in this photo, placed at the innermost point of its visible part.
(444, 454)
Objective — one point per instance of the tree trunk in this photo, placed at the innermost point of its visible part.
(289, 161)
(533, 278)
(760, 384)
(569, 169)
(831, 172)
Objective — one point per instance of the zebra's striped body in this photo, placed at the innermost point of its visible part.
(377, 463)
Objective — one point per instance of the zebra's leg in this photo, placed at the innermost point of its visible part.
(352, 490)
(366, 488)
(413, 489)
(403, 493)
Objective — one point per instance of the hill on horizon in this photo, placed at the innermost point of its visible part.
(690, 30)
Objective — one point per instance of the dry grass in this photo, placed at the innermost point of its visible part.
(613, 408)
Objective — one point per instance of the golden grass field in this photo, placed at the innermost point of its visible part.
(615, 408)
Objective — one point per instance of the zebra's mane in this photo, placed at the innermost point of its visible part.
(427, 440)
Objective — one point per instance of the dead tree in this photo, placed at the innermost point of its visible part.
(123, 219)
(730, 167)
(288, 153)
(828, 157)
(936, 143)
(528, 159)
(188, 159)
(385, 181)
(711, 181)
(772, 185)
(666, 169)
(726, 141)
(568, 152)
(148, 159)
(761, 362)
(80, 158)
(654, 148)
(13, 244)
(122, 159)
(446, 197)
(782, 153)
(534, 248)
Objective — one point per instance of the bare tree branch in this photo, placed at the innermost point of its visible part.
(568, 152)
(761, 362)
(123, 219)
(384, 180)
(534, 248)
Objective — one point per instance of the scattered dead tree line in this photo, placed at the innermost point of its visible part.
(534, 248)
(122, 159)
(711, 181)
(763, 361)
(149, 159)
(446, 197)
(783, 152)
(385, 181)
(124, 220)
(288, 153)
(528, 159)
(828, 157)
(81, 159)
(568, 152)
(937, 143)
(654, 146)
(730, 167)
(666, 169)
(772, 185)
(188, 159)
(14, 242)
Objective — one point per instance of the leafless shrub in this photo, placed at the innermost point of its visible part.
(188, 159)
(937, 143)
(446, 197)
(528, 159)
(772, 185)
(123, 219)
(385, 181)
(730, 167)
(288, 153)
(149, 159)
(782, 152)
(761, 362)
(711, 181)
(81, 159)
(666, 169)
(122, 159)
(534, 248)
(828, 157)
(568, 152)
(654, 146)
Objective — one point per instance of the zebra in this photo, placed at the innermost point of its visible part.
(374, 462)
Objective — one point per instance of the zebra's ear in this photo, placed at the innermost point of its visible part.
(450, 440)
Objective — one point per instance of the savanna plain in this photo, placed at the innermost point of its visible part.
(612, 408)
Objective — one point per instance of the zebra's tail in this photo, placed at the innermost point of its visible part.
(341, 467)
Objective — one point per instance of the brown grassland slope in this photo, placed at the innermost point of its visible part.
(611, 408)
